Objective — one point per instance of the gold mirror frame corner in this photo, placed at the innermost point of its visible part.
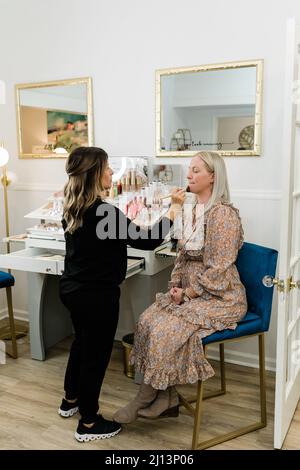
(257, 147)
(71, 81)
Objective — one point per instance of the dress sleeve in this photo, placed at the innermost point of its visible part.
(222, 243)
(176, 274)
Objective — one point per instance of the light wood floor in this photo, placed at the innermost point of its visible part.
(30, 392)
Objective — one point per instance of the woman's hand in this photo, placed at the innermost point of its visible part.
(177, 295)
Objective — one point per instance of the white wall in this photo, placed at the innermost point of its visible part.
(120, 45)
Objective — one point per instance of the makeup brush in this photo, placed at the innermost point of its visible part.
(187, 190)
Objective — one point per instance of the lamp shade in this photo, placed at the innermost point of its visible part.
(2, 92)
(4, 156)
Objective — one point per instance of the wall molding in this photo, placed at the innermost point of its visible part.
(43, 187)
(236, 193)
(261, 194)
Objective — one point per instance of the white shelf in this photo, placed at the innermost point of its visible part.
(166, 252)
(43, 213)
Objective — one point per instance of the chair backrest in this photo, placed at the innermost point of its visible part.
(253, 263)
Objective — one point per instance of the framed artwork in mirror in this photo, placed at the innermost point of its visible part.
(54, 118)
(214, 107)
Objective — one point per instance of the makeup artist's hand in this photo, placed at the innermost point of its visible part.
(176, 295)
(177, 201)
(177, 196)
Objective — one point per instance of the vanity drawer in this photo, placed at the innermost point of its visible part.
(60, 267)
(31, 259)
(39, 260)
(134, 266)
(166, 252)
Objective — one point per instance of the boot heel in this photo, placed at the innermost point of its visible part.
(171, 412)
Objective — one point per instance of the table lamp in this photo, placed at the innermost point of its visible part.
(4, 157)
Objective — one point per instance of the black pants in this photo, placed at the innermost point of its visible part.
(95, 318)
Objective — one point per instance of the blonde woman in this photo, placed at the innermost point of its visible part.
(206, 295)
(97, 235)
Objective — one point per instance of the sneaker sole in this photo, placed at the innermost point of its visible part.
(94, 437)
(69, 413)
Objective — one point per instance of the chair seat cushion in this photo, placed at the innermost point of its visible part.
(250, 324)
(6, 280)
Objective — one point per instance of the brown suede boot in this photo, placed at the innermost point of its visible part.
(166, 404)
(144, 398)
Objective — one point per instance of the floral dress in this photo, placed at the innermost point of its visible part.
(168, 346)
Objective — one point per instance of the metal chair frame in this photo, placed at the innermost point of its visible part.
(12, 327)
(200, 397)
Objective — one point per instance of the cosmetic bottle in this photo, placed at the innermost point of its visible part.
(119, 186)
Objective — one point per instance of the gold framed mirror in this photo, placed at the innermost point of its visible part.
(214, 107)
(54, 117)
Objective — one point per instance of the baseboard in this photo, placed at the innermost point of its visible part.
(18, 314)
(120, 333)
(241, 358)
(231, 356)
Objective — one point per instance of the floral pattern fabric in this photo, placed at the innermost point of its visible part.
(168, 346)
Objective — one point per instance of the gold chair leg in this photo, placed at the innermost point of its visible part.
(238, 432)
(215, 393)
(222, 390)
(262, 379)
(222, 368)
(11, 323)
(197, 416)
(198, 409)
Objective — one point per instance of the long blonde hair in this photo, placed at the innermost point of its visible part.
(85, 167)
(214, 163)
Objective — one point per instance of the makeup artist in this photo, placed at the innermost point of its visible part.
(97, 235)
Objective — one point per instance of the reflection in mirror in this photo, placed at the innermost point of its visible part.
(54, 118)
(213, 108)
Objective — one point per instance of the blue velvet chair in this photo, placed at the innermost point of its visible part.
(7, 281)
(253, 263)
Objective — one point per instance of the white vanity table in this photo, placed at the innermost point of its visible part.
(43, 259)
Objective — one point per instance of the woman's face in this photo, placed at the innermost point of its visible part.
(107, 176)
(200, 180)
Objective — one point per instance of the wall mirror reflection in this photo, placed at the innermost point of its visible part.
(213, 107)
(54, 117)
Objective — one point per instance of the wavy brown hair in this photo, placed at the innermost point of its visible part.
(85, 167)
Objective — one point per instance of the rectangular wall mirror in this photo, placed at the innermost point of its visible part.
(54, 117)
(210, 108)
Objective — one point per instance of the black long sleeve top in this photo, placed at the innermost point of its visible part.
(96, 253)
